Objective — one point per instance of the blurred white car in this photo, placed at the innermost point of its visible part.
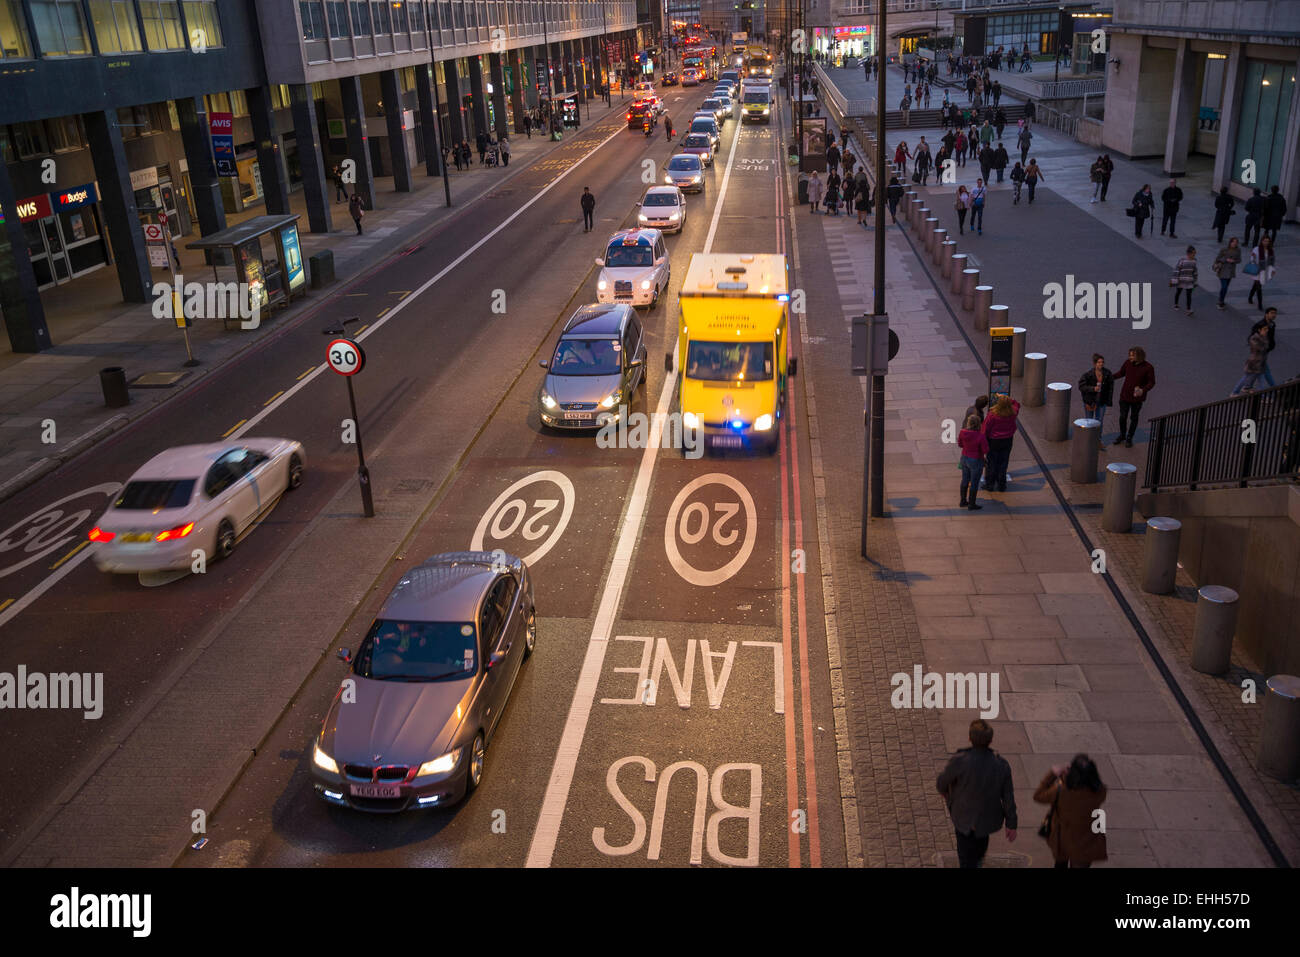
(194, 497)
(663, 208)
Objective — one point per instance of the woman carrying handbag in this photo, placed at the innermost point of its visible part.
(962, 205)
(1074, 827)
(1261, 267)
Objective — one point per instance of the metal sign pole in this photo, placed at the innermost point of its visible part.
(363, 473)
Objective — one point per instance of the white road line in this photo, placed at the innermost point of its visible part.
(49, 582)
(406, 301)
(547, 832)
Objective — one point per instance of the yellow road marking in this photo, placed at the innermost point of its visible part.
(400, 292)
(6, 604)
(233, 427)
(65, 558)
(273, 398)
(310, 370)
(355, 295)
(381, 314)
(367, 325)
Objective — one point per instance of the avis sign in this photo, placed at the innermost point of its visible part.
(221, 126)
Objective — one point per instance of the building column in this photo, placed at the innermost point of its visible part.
(203, 169)
(570, 70)
(517, 81)
(478, 99)
(428, 122)
(1183, 110)
(391, 91)
(1234, 80)
(20, 301)
(498, 94)
(311, 158)
(270, 162)
(455, 107)
(1288, 179)
(121, 217)
(354, 118)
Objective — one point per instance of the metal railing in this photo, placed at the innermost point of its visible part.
(1237, 441)
(1071, 89)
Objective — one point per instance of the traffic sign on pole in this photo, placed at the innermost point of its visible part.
(345, 357)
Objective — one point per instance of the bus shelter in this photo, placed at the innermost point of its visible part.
(266, 254)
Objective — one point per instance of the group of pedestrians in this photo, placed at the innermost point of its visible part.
(841, 185)
(977, 786)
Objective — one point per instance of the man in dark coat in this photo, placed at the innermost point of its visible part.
(1274, 212)
(1169, 201)
(977, 786)
(1254, 217)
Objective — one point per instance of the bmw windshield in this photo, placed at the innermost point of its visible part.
(418, 651)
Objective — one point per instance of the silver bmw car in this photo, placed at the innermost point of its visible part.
(410, 725)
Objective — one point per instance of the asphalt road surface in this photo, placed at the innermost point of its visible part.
(661, 721)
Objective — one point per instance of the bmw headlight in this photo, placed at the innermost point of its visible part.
(763, 422)
(323, 760)
(612, 399)
(440, 765)
(690, 420)
(547, 401)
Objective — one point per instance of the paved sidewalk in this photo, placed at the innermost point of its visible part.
(93, 329)
(1008, 590)
(1065, 163)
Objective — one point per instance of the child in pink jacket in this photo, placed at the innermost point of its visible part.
(974, 447)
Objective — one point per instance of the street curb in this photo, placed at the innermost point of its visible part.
(43, 467)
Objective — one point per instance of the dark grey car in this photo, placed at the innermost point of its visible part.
(411, 723)
(596, 370)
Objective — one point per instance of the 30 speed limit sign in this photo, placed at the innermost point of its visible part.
(345, 357)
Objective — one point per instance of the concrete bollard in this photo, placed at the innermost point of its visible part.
(970, 279)
(1083, 451)
(1216, 623)
(1018, 352)
(1056, 426)
(920, 213)
(1117, 507)
(958, 268)
(949, 249)
(937, 246)
(905, 204)
(983, 300)
(998, 315)
(1160, 557)
(1035, 383)
(927, 232)
(1279, 735)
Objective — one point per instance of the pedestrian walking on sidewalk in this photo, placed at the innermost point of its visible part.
(588, 203)
(1143, 206)
(986, 162)
(1000, 160)
(1017, 180)
(1225, 207)
(923, 160)
(902, 154)
(906, 106)
(1255, 362)
(1033, 173)
(1184, 278)
(997, 96)
(962, 205)
(977, 198)
(999, 121)
(893, 195)
(1225, 267)
(1000, 427)
(862, 192)
(959, 144)
(1274, 212)
(1170, 200)
(848, 187)
(354, 208)
(832, 201)
(482, 141)
(1097, 389)
(1139, 379)
(973, 141)
(1095, 173)
(1074, 793)
(832, 156)
(974, 446)
(1254, 217)
(1023, 141)
(815, 191)
(504, 147)
(340, 189)
(977, 787)
(1270, 317)
(528, 125)
(1261, 266)
(466, 154)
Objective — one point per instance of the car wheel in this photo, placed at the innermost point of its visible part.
(225, 538)
(654, 300)
(477, 754)
(530, 633)
(295, 470)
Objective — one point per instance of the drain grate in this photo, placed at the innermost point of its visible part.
(411, 486)
(157, 380)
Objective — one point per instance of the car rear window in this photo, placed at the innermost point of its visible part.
(697, 139)
(152, 495)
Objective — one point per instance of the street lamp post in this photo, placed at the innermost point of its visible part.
(550, 100)
(1060, 30)
(437, 109)
(873, 466)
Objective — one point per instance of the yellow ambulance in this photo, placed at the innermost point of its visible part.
(732, 349)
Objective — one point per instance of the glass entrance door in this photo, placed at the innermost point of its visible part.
(45, 248)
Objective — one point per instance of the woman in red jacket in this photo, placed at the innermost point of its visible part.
(974, 448)
(1139, 379)
(1000, 429)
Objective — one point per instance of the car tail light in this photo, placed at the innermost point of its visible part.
(97, 534)
(180, 531)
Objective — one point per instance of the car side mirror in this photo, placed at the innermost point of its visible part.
(497, 657)
(599, 261)
(545, 363)
(345, 654)
(660, 261)
(636, 363)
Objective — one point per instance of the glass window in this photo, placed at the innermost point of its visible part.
(399, 16)
(417, 16)
(445, 15)
(60, 27)
(162, 24)
(313, 20)
(155, 494)
(204, 27)
(13, 31)
(239, 102)
(115, 26)
(417, 651)
(361, 17)
(458, 15)
(598, 356)
(382, 20)
(729, 361)
(408, 78)
(65, 133)
(337, 11)
(29, 139)
(1261, 129)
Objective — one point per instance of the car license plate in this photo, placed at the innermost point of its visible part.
(727, 441)
(579, 415)
(138, 537)
(376, 791)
